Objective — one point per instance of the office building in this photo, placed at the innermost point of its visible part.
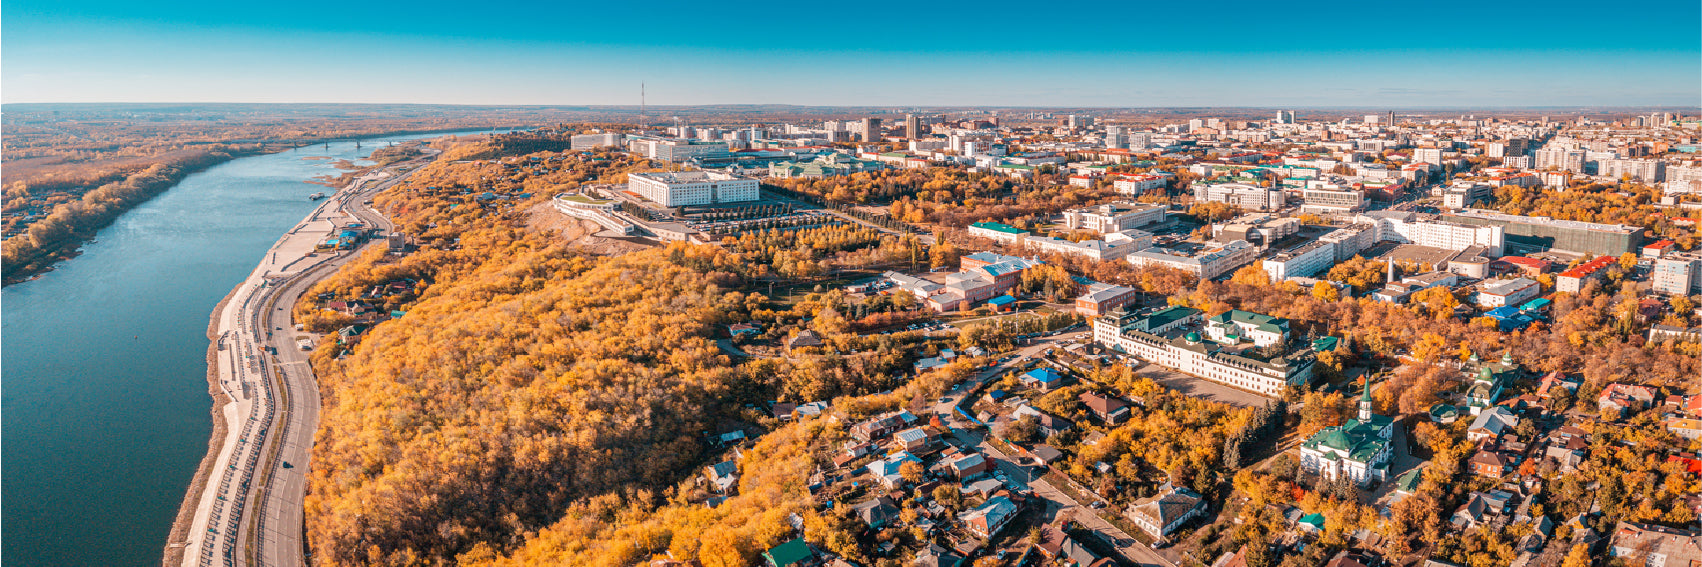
(1285, 117)
(1573, 280)
(1501, 293)
(1139, 183)
(685, 188)
(678, 151)
(1464, 194)
(1349, 240)
(1332, 200)
(1115, 217)
(1242, 195)
(1206, 264)
(912, 126)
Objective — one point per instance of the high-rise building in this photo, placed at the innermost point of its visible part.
(1080, 122)
(1115, 137)
(1285, 117)
(1427, 155)
(1562, 159)
(1649, 170)
(912, 126)
(871, 129)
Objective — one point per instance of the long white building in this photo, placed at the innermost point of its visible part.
(1241, 194)
(1170, 337)
(1115, 217)
(1409, 228)
(684, 188)
(1205, 265)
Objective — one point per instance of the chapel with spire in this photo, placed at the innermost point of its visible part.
(1358, 449)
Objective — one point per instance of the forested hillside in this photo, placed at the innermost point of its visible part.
(529, 381)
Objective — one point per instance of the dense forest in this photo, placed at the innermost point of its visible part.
(530, 381)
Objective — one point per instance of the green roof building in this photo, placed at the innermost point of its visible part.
(788, 554)
(1359, 449)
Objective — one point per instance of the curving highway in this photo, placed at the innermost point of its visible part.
(250, 512)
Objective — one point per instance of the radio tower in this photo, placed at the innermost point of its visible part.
(641, 107)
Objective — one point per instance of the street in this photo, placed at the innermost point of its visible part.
(1058, 503)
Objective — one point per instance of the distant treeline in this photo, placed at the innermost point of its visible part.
(57, 236)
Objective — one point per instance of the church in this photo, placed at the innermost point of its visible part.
(1359, 448)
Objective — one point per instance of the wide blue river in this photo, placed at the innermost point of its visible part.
(104, 404)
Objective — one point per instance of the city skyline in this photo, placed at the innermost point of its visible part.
(1338, 55)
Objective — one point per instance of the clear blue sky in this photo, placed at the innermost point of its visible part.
(1225, 53)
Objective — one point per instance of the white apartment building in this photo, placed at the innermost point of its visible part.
(1332, 200)
(1562, 159)
(1683, 180)
(588, 141)
(1303, 261)
(1205, 265)
(684, 188)
(1115, 245)
(1427, 155)
(1350, 240)
(1408, 228)
(1240, 194)
(677, 151)
(1679, 273)
(1650, 170)
(1464, 194)
(1115, 217)
(1150, 337)
(1138, 183)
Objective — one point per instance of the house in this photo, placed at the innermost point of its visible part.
(806, 339)
(1490, 463)
(1044, 379)
(1109, 409)
(1065, 550)
(914, 439)
(1163, 513)
(887, 470)
(1481, 508)
(1049, 424)
(794, 553)
(967, 466)
(724, 475)
(936, 556)
(1491, 423)
(1685, 427)
(1046, 453)
(1656, 546)
(876, 512)
(883, 425)
(1625, 398)
(986, 520)
(1547, 387)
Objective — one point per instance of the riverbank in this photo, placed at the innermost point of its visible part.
(178, 538)
(26, 255)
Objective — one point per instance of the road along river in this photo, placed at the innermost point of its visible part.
(105, 394)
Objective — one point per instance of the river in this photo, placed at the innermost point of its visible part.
(103, 433)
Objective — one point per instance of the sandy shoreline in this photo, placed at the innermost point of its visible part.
(177, 540)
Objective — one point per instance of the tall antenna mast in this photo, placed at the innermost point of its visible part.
(641, 106)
